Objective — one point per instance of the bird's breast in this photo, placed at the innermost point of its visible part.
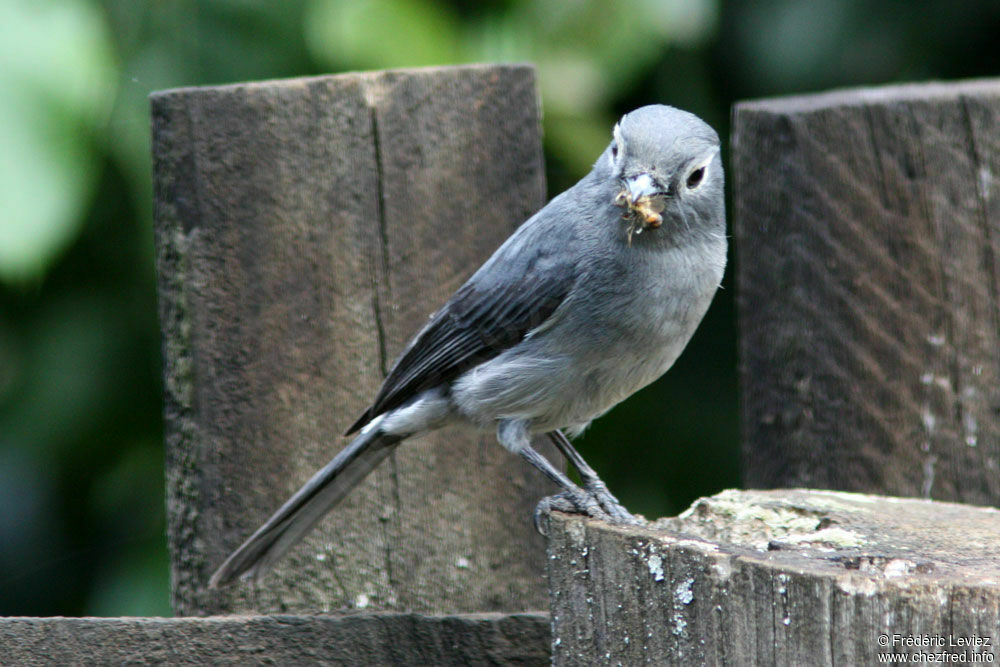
(659, 312)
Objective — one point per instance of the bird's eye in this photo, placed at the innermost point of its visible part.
(695, 177)
(614, 151)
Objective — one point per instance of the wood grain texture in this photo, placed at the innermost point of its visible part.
(867, 227)
(360, 639)
(791, 577)
(305, 229)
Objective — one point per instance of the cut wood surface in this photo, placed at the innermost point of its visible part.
(305, 229)
(779, 578)
(867, 226)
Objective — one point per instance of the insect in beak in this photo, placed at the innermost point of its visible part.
(643, 205)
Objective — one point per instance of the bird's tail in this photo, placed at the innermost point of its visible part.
(296, 518)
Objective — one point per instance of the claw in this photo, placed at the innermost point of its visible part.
(570, 502)
(596, 502)
(544, 508)
(609, 503)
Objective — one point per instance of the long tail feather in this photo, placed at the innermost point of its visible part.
(302, 512)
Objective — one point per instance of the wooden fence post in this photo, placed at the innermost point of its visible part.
(790, 577)
(305, 229)
(867, 227)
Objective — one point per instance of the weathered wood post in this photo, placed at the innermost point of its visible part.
(867, 227)
(790, 577)
(305, 229)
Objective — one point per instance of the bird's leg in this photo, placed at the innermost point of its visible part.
(591, 482)
(514, 435)
(566, 448)
(573, 499)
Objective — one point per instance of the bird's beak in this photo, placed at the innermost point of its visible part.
(639, 186)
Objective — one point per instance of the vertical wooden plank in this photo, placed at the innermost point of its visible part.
(867, 235)
(452, 191)
(305, 228)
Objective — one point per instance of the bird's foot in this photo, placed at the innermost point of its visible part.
(597, 503)
(575, 501)
(614, 509)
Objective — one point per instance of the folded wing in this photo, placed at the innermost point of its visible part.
(486, 316)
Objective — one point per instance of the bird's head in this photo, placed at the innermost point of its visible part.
(666, 166)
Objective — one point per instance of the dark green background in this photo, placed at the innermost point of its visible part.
(81, 492)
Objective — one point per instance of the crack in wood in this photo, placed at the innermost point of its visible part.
(382, 254)
(382, 261)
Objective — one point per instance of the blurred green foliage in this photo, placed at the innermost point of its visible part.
(57, 78)
(81, 473)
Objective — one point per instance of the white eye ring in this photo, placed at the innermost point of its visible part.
(616, 147)
(697, 176)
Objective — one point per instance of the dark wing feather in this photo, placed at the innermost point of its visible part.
(475, 325)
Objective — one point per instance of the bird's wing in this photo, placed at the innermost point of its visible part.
(493, 311)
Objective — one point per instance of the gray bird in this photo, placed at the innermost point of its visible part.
(591, 299)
